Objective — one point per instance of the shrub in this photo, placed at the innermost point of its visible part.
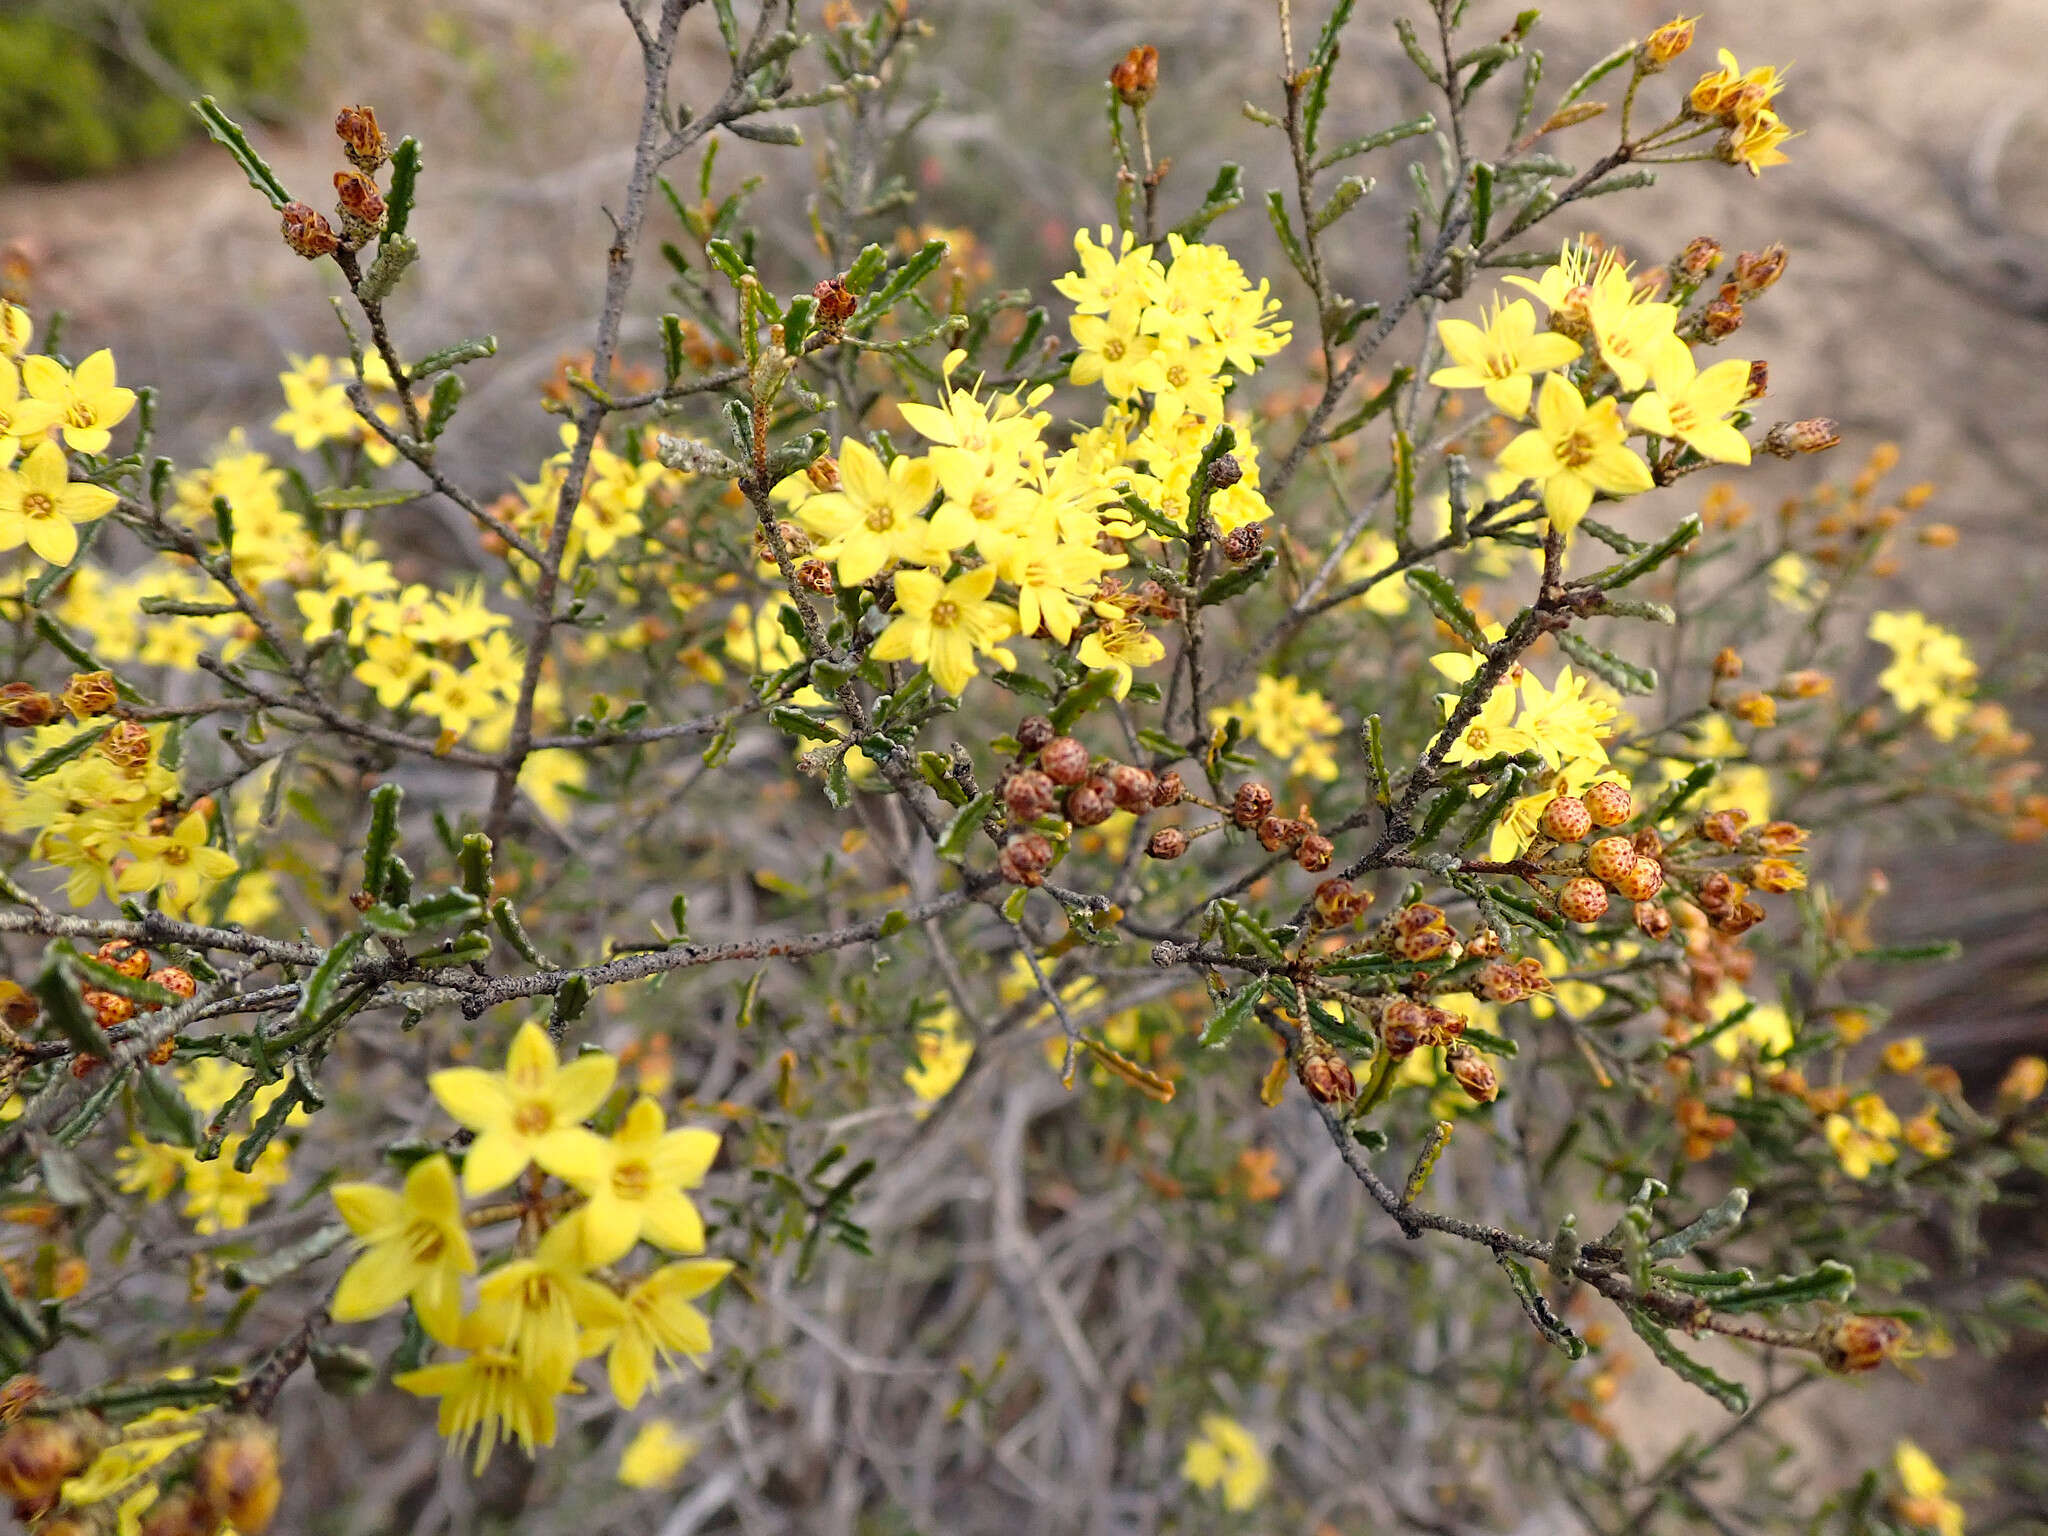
(1116, 903)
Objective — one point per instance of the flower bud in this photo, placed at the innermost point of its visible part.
(1724, 827)
(1132, 787)
(126, 744)
(360, 204)
(1815, 435)
(1251, 805)
(823, 473)
(1723, 317)
(1653, 919)
(237, 1474)
(361, 139)
(2024, 1081)
(1759, 383)
(307, 231)
(89, 694)
(1167, 790)
(1091, 802)
(1167, 843)
(1063, 760)
(1566, 819)
(1029, 794)
(1727, 664)
(1609, 803)
(1277, 832)
(1136, 76)
(1243, 543)
(1033, 732)
(1339, 904)
(1314, 852)
(1225, 472)
(18, 1008)
(36, 1455)
(1860, 1343)
(1757, 270)
(1423, 944)
(1665, 44)
(836, 303)
(1806, 683)
(131, 960)
(25, 706)
(1326, 1076)
(1024, 860)
(180, 1512)
(1418, 917)
(1583, 900)
(1699, 258)
(814, 575)
(1404, 1027)
(1610, 858)
(1474, 1073)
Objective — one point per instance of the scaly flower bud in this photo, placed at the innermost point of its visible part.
(1136, 76)
(307, 231)
(25, 706)
(1815, 435)
(361, 139)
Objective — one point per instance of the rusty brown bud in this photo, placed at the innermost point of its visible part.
(1653, 919)
(1814, 435)
(1724, 827)
(1033, 732)
(89, 694)
(360, 204)
(1474, 1073)
(1225, 472)
(126, 744)
(1277, 832)
(1167, 790)
(361, 139)
(1132, 787)
(1029, 794)
(1699, 258)
(1757, 270)
(1064, 760)
(836, 303)
(1136, 76)
(307, 231)
(1252, 804)
(1313, 853)
(1860, 1343)
(1243, 543)
(1024, 860)
(1167, 843)
(1326, 1076)
(237, 1474)
(1091, 802)
(26, 706)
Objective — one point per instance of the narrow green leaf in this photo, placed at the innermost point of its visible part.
(1546, 1322)
(1641, 565)
(382, 839)
(1597, 73)
(1716, 1222)
(227, 133)
(454, 356)
(1730, 1395)
(1380, 140)
(1444, 601)
(965, 823)
(1236, 1009)
(1626, 676)
(405, 176)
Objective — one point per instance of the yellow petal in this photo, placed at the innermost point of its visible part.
(670, 1221)
(582, 1085)
(367, 1208)
(473, 1097)
(611, 1227)
(575, 1154)
(494, 1160)
(373, 1285)
(683, 1157)
(530, 1063)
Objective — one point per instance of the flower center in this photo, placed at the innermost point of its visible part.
(532, 1118)
(37, 504)
(945, 614)
(424, 1242)
(1576, 451)
(1177, 375)
(632, 1181)
(983, 506)
(1113, 349)
(1476, 738)
(177, 853)
(81, 415)
(881, 519)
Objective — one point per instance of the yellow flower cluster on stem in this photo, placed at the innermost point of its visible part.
(556, 1299)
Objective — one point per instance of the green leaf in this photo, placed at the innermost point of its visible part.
(1597, 73)
(95, 972)
(1322, 61)
(57, 990)
(470, 351)
(1826, 1281)
(787, 134)
(1730, 1395)
(474, 857)
(867, 266)
(1346, 197)
(1225, 193)
(441, 405)
(1675, 799)
(227, 133)
(901, 281)
(1380, 140)
(1715, 1222)
(1236, 1009)
(445, 909)
(317, 994)
(965, 823)
(1084, 696)
(354, 498)
(382, 839)
(166, 1114)
(1290, 243)
(794, 721)
(1537, 1309)
(1626, 676)
(49, 762)
(405, 175)
(1232, 583)
(570, 1001)
(1641, 565)
(1445, 603)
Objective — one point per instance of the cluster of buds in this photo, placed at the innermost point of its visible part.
(836, 304)
(1510, 981)
(1251, 808)
(358, 203)
(1631, 867)
(86, 696)
(1324, 1073)
(110, 1009)
(1704, 1129)
(1406, 1026)
(1136, 76)
(1056, 775)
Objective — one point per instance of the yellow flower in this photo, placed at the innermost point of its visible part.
(1872, 1114)
(1561, 722)
(942, 1057)
(1573, 451)
(414, 1244)
(1753, 143)
(181, 867)
(1226, 1458)
(876, 516)
(1048, 577)
(1905, 1055)
(1491, 731)
(944, 624)
(1791, 582)
(40, 507)
(1693, 406)
(1767, 1028)
(21, 421)
(487, 1396)
(1857, 1150)
(86, 398)
(1503, 357)
(1291, 722)
(15, 329)
(1924, 1501)
(147, 1169)
(636, 1181)
(656, 1455)
(1728, 93)
(317, 408)
(1120, 645)
(528, 1113)
(1930, 669)
(655, 1323)
(539, 1306)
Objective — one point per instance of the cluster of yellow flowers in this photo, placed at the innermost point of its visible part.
(45, 410)
(1741, 102)
(1578, 444)
(100, 814)
(1566, 722)
(989, 505)
(557, 1298)
(1930, 670)
(1294, 723)
(1227, 1459)
(616, 490)
(219, 1197)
